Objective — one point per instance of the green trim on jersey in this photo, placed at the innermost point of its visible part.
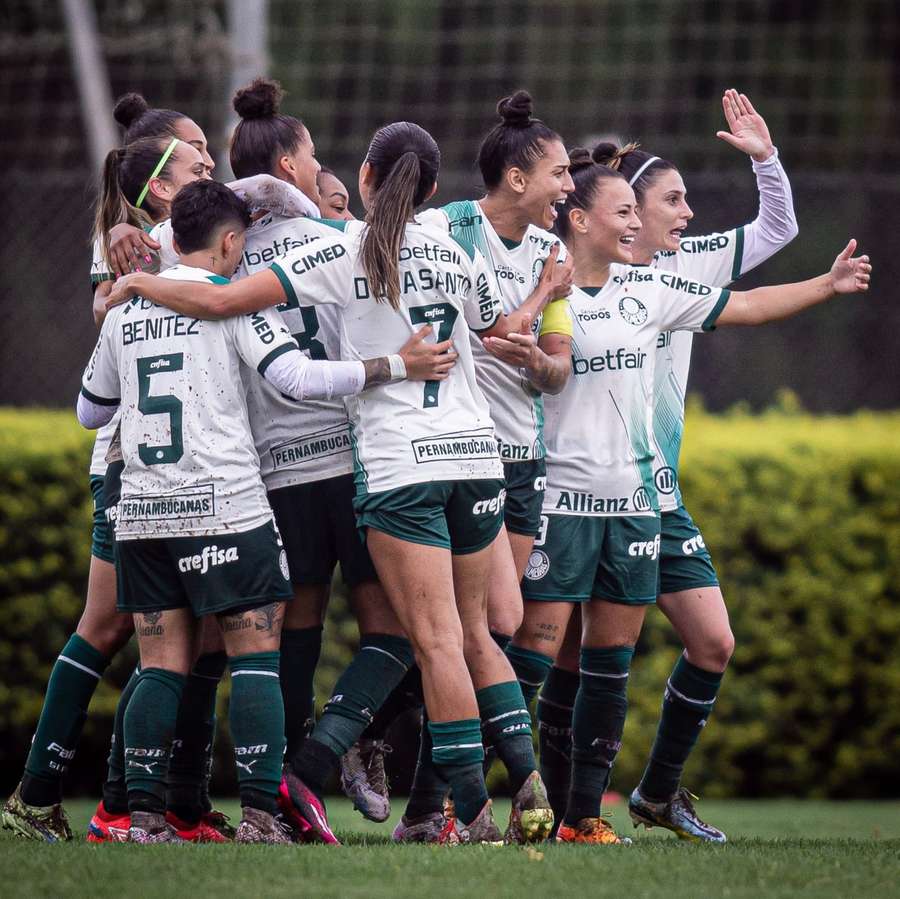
(217, 279)
(285, 283)
(738, 253)
(465, 243)
(99, 279)
(509, 243)
(539, 422)
(360, 475)
(99, 400)
(466, 211)
(710, 323)
(271, 357)
(339, 224)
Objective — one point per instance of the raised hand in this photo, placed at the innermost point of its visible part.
(850, 274)
(556, 276)
(517, 348)
(131, 249)
(747, 128)
(427, 361)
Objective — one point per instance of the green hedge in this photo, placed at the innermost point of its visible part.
(802, 515)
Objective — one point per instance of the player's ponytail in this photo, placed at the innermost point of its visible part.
(587, 175)
(405, 161)
(516, 141)
(263, 134)
(126, 174)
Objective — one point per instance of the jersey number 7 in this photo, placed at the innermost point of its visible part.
(148, 366)
(442, 317)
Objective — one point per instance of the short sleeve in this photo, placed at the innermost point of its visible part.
(713, 258)
(687, 305)
(261, 337)
(482, 307)
(99, 268)
(318, 273)
(100, 381)
(557, 318)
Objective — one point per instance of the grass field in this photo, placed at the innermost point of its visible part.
(783, 848)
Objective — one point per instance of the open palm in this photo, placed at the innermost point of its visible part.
(747, 128)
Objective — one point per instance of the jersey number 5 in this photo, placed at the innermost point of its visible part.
(442, 318)
(148, 366)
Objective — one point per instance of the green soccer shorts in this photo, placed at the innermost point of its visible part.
(684, 560)
(525, 483)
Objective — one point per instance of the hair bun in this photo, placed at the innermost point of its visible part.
(579, 158)
(516, 110)
(258, 100)
(605, 153)
(129, 108)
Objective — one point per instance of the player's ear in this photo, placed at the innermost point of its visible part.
(285, 166)
(431, 193)
(578, 220)
(515, 179)
(175, 247)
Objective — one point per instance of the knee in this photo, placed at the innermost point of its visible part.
(505, 621)
(107, 635)
(713, 654)
(432, 648)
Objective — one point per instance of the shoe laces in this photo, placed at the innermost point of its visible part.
(373, 762)
(683, 799)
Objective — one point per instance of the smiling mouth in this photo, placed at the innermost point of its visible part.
(627, 239)
(677, 233)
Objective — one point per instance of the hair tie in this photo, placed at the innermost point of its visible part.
(159, 167)
(641, 170)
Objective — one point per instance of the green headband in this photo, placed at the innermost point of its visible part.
(159, 167)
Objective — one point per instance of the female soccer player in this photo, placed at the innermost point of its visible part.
(690, 595)
(429, 490)
(334, 199)
(601, 539)
(306, 465)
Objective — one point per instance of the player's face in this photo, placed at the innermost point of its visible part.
(547, 183)
(334, 200)
(191, 133)
(185, 166)
(306, 166)
(664, 212)
(611, 224)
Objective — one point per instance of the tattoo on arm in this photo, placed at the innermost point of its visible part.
(378, 371)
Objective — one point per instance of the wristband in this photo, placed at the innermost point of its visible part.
(398, 367)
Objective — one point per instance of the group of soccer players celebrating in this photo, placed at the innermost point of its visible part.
(475, 410)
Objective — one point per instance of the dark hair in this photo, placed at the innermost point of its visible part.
(628, 160)
(125, 173)
(263, 133)
(139, 119)
(405, 160)
(515, 141)
(200, 208)
(586, 174)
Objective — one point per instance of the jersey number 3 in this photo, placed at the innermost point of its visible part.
(148, 366)
(442, 318)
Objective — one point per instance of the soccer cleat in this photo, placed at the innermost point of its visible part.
(200, 832)
(303, 810)
(220, 822)
(108, 827)
(677, 815)
(260, 827)
(424, 829)
(531, 818)
(364, 780)
(482, 830)
(149, 827)
(46, 823)
(591, 830)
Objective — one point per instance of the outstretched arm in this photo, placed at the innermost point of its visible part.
(765, 304)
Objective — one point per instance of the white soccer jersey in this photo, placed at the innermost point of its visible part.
(407, 432)
(516, 407)
(600, 452)
(100, 272)
(190, 465)
(297, 442)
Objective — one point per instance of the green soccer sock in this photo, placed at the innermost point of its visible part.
(74, 678)
(300, 651)
(405, 696)
(376, 669)
(257, 726)
(687, 704)
(458, 754)
(531, 669)
(597, 726)
(556, 704)
(189, 768)
(115, 793)
(507, 727)
(149, 728)
(426, 796)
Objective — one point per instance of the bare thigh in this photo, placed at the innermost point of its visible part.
(166, 639)
(700, 619)
(606, 624)
(308, 607)
(544, 626)
(504, 592)
(258, 630)
(100, 624)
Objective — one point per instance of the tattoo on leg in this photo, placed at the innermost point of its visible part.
(150, 626)
(239, 622)
(267, 617)
(547, 632)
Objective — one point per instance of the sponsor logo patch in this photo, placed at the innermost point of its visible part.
(665, 480)
(283, 565)
(464, 445)
(645, 548)
(490, 506)
(633, 310)
(293, 453)
(191, 502)
(208, 557)
(538, 565)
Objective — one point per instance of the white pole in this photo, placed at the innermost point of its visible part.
(248, 22)
(91, 78)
